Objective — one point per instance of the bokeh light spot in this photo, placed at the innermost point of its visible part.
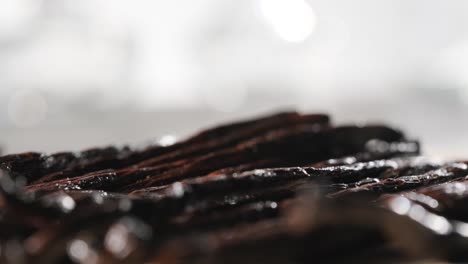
(292, 20)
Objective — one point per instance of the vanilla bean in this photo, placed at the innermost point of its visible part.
(287, 187)
(389, 185)
(66, 165)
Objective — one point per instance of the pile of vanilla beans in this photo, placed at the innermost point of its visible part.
(285, 188)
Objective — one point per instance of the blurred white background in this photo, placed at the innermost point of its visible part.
(75, 74)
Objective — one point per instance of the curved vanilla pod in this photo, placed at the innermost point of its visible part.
(240, 180)
(262, 190)
(358, 174)
(289, 143)
(446, 173)
(375, 150)
(443, 229)
(141, 240)
(300, 233)
(23, 208)
(447, 199)
(129, 175)
(67, 165)
(279, 143)
(266, 121)
(239, 136)
(249, 183)
(303, 143)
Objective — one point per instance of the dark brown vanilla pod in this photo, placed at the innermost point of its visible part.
(280, 194)
(446, 173)
(110, 180)
(448, 199)
(228, 164)
(277, 189)
(319, 139)
(236, 188)
(83, 204)
(375, 150)
(352, 173)
(303, 144)
(25, 164)
(182, 149)
(183, 225)
(353, 138)
(81, 218)
(95, 181)
(91, 217)
(243, 214)
(127, 176)
(120, 177)
(412, 166)
(69, 164)
(252, 180)
(23, 208)
(262, 123)
(362, 173)
(52, 243)
(276, 144)
(443, 235)
(227, 190)
(238, 137)
(145, 171)
(299, 234)
(267, 163)
(34, 165)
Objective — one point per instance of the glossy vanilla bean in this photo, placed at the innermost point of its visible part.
(287, 187)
